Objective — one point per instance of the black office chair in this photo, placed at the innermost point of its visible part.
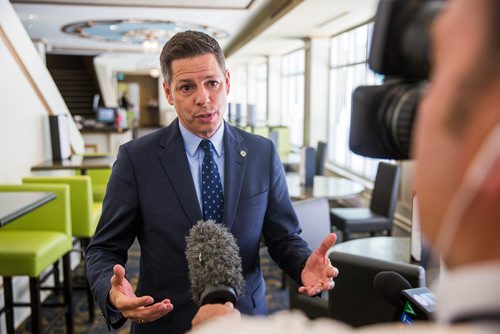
(354, 299)
(313, 215)
(321, 150)
(378, 217)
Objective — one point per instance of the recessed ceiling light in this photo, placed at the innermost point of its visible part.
(154, 72)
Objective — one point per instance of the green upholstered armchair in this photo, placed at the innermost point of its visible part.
(261, 131)
(32, 244)
(284, 145)
(99, 179)
(85, 213)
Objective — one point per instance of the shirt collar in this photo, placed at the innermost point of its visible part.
(192, 141)
(468, 290)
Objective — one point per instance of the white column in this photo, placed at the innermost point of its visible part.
(316, 95)
(274, 90)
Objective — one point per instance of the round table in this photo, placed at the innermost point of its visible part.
(382, 248)
(331, 187)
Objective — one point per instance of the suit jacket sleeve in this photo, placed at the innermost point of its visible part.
(281, 226)
(115, 233)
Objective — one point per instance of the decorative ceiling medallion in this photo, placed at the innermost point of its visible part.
(136, 31)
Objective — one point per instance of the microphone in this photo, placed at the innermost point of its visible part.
(214, 264)
(411, 304)
(389, 285)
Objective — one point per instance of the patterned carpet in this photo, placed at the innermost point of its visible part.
(277, 298)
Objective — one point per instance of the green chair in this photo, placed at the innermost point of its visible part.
(284, 145)
(246, 128)
(99, 179)
(30, 245)
(261, 131)
(85, 214)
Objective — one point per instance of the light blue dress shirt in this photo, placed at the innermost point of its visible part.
(195, 155)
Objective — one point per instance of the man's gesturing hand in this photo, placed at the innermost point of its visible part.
(318, 273)
(138, 309)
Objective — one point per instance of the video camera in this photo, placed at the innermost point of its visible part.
(383, 116)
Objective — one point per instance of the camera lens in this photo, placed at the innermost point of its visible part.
(382, 116)
(382, 119)
(397, 115)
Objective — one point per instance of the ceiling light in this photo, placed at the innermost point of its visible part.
(149, 33)
(150, 45)
(154, 72)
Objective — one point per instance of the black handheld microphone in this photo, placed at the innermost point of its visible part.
(411, 304)
(214, 264)
(389, 285)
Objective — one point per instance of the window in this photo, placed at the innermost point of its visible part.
(249, 94)
(348, 69)
(261, 94)
(238, 98)
(292, 95)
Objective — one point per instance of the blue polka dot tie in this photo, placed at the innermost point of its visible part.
(211, 186)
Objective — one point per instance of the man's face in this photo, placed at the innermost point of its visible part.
(443, 155)
(198, 90)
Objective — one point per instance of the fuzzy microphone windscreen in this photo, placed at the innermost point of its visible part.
(214, 264)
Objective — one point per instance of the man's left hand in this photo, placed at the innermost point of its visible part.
(318, 273)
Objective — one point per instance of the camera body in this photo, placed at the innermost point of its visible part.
(383, 116)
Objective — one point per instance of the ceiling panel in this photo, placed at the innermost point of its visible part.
(311, 18)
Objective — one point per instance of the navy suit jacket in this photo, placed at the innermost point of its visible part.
(151, 197)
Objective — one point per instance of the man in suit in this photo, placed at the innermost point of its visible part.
(156, 193)
(457, 180)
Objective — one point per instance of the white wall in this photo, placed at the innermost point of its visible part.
(28, 95)
(24, 135)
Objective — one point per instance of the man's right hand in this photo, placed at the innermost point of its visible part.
(137, 309)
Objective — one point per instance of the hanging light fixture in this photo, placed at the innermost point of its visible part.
(148, 33)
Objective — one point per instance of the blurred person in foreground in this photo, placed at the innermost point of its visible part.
(197, 168)
(457, 179)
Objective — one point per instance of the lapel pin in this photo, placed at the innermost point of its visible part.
(243, 153)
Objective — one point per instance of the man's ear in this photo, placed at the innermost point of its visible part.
(227, 77)
(168, 92)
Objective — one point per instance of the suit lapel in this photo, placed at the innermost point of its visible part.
(173, 158)
(234, 170)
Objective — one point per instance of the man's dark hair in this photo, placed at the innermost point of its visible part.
(495, 27)
(189, 44)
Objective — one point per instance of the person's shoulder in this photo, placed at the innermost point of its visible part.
(293, 322)
(425, 328)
